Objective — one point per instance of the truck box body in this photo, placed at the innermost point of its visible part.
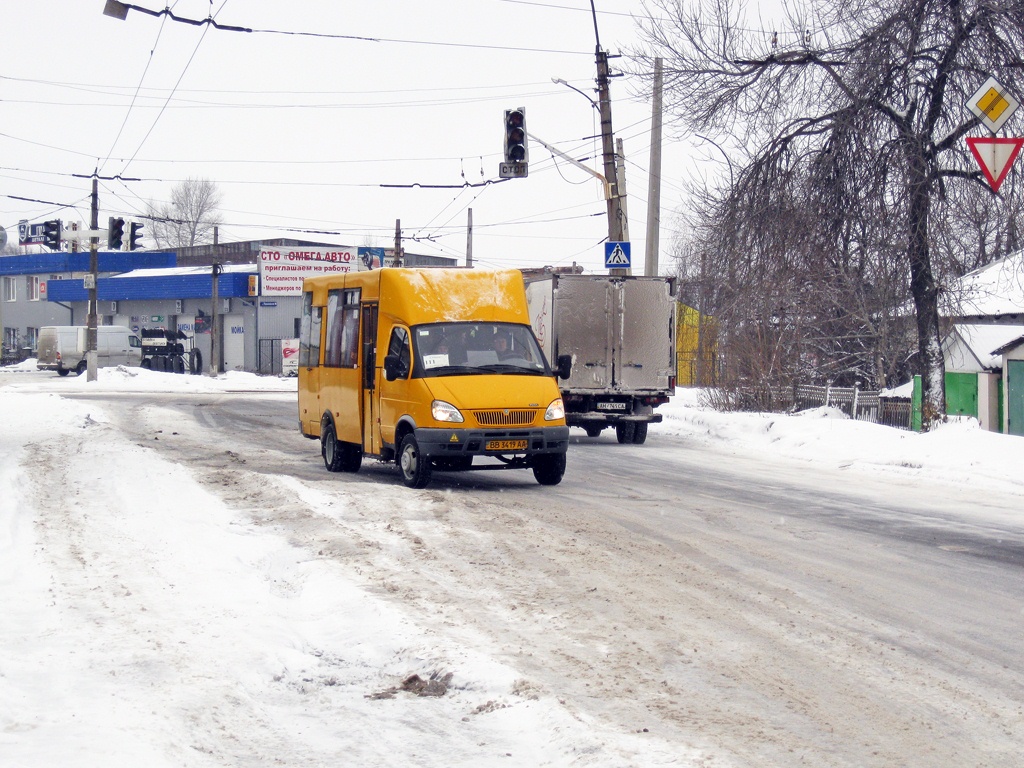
(429, 368)
(620, 333)
(62, 348)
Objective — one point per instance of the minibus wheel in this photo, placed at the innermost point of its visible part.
(330, 449)
(548, 468)
(339, 456)
(414, 465)
(625, 430)
(639, 432)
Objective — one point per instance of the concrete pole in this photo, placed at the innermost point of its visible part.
(215, 351)
(615, 199)
(620, 183)
(93, 320)
(398, 243)
(654, 183)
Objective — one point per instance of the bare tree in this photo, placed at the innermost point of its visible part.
(856, 114)
(189, 218)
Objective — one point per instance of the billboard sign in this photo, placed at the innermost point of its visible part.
(282, 270)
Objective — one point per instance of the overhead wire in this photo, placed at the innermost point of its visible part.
(135, 96)
(134, 158)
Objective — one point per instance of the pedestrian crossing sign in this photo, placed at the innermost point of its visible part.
(616, 255)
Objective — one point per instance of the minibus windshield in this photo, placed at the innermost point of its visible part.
(461, 349)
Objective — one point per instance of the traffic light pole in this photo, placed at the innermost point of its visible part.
(91, 333)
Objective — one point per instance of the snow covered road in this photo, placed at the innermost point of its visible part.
(184, 585)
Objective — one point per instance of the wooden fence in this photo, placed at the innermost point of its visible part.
(861, 405)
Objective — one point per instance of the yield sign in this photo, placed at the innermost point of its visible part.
(995, 156)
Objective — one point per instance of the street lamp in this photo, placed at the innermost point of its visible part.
(560, 81)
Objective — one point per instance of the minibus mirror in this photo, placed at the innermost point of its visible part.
(564, 366)
(393, 368)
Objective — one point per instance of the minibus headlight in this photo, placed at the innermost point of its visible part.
(555, 411)
(443, 411)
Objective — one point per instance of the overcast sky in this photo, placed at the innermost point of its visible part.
(300, 130)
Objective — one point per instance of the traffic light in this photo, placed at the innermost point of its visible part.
(134, 235)
(51, 234)
(115, 233)
(515, 135)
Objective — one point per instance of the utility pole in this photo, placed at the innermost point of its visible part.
(654, 183)
(215, 351)
(398, 243)
(469, 240)
(620, 183)
(616, 200)
(93, 320)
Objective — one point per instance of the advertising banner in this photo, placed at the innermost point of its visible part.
(283, 269)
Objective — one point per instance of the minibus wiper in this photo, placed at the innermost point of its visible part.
(501, 369)
(454, 370)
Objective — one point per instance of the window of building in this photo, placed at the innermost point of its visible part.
(10, 339)
(32, 291)
(10, 290)
(32, 338)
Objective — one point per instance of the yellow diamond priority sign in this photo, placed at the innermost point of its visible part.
(993, 104)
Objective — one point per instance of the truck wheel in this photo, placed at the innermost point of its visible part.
(63, 371)
(414, 465)
(195, 362)
(593, 430)
(625, 430)
(640, 433)
(147, 364)
(548, 468)
(177, 364)
(81, 367)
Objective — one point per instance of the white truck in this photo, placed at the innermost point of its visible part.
(61, 348)
(621, 335)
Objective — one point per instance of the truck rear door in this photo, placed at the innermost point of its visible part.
(645, 334)
(583, 310)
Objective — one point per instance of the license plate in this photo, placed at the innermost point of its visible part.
(506, 445)
(611, 406)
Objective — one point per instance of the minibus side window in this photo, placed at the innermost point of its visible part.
(342, 348)
(399, 346)
(309, 333)
(350, 328)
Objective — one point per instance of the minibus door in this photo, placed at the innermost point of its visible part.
(370, 408)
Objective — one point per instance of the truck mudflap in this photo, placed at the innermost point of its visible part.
(456, 443)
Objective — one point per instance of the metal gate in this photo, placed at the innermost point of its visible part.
(1015, 397)
(270, 357)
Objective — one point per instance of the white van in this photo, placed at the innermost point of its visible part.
(61, 348)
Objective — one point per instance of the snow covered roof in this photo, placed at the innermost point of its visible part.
(983, 342)
(996, 289)
(180, 271)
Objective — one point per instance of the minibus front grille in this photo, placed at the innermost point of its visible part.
(505, 418)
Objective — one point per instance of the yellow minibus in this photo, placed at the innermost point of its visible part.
(434, 369)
